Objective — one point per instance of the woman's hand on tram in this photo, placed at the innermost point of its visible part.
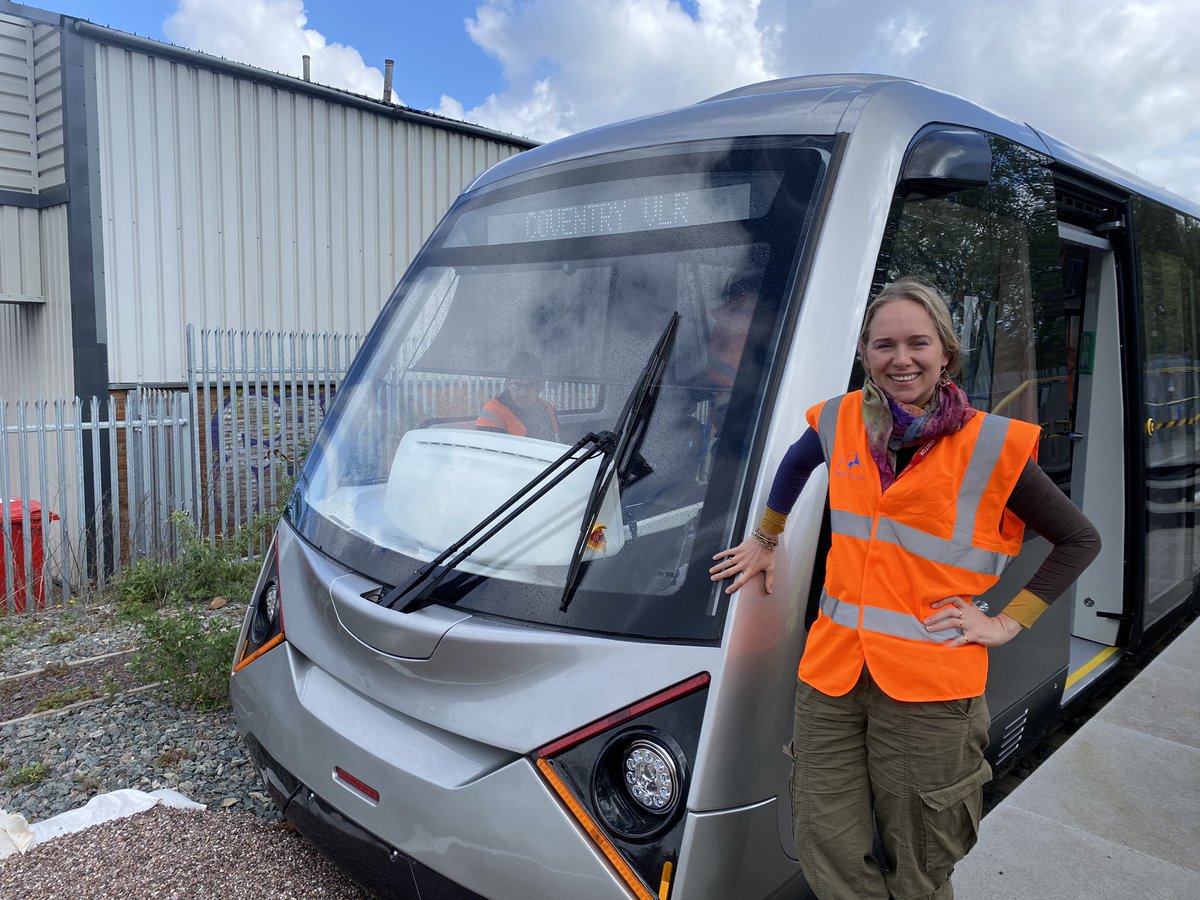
(745, 561)
(976, 625)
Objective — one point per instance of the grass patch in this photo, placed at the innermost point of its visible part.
(59, 699)
(60, 637)
(31, 774)
(16, 632)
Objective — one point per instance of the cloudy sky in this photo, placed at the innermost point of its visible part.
(1119, 78)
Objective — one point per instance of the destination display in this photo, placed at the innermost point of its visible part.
(677, 209)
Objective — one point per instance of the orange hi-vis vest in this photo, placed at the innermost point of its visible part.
(940, 530)
(495, 415)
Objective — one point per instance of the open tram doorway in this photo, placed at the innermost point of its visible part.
(1093, 433)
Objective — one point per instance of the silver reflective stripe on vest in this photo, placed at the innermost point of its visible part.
(902, 625)
(940, 550)
(842, 613)
(827, 426)
(958, 551)
(884, 621)
(850, 524)
(986, 453)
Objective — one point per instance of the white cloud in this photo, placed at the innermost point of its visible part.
(1114, 77)
(271, 34)
(573, 64)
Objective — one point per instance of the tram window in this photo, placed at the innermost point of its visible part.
(1169, 278)
(993, 252)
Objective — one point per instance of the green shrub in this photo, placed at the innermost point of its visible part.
(202, 568)
(191, 651)
(186, 646)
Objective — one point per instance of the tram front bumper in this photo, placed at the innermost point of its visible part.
(376, 865)
(447, 808)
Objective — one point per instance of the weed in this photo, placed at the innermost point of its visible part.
(191, 652)
(109, 685)
(59, 699)
(55, 668)
(30, 774)
(60, 637)
(172, 756)
(184, 646)
(88, 784)
(4, 764)
(202, 569)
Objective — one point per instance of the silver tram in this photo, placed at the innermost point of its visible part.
(486, 665)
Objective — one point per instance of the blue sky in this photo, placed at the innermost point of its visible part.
(434, 54)
(1117, 78)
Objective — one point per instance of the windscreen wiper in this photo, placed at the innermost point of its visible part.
(589, 447)
(627, 436)
(618, 447)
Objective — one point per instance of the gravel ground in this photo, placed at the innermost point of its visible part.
(174, 853)
(57, 761)
(239, 847)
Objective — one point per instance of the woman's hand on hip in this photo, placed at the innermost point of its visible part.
(977, 626)
(745, 561)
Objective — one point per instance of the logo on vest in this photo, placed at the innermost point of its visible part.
(849, 466)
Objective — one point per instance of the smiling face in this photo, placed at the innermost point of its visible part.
(903, 352)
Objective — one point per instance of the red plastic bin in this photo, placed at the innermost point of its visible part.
(16, 550)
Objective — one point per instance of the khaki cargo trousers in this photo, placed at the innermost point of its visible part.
(915, 771)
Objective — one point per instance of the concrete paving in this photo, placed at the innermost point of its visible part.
(1114, 814)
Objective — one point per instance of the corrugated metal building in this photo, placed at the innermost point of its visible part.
(144, 188)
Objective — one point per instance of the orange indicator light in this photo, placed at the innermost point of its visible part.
(664, 886)
(594, 832)
(245, 661)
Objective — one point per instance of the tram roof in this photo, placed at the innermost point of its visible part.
(818, 105)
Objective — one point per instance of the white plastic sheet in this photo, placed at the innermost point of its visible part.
(17, 835)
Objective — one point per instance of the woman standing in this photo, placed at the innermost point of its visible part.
(928, 500)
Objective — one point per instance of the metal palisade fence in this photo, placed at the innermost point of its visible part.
(89, 486)
(85, 487)
(257, 398)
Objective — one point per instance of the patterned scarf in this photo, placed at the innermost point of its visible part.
(892, 425)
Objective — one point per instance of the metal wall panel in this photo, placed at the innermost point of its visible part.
(20, 255)
(48, 106)
(35, 338)
(18, 160)
(232, 203)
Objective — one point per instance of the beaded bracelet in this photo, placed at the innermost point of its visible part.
(764, 540)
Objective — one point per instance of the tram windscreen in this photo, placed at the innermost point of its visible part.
(522, 327)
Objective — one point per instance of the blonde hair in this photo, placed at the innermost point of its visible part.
(910, 287)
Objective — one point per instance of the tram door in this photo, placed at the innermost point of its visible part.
(1097, 440)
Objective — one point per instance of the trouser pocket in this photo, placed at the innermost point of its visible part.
(950, 820)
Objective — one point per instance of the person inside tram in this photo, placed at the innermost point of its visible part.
(727, 341)
(890, 719)
(520, 409)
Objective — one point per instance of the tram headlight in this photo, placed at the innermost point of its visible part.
(651, 775)
(625, 779)
(266, 613)
(263, 628)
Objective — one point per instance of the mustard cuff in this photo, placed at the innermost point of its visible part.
(773, 522)
(1026, 607)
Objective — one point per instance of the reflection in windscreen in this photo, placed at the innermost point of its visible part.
(522, 331)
